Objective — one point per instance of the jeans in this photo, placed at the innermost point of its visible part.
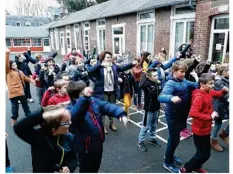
(111, 98)
(137, 101)
(151, 125)
(227, 129)
(90, 162)
(217, 127)
(15, 106)
(174, 128)
(27, 90)
(202, 144)
(40, 92)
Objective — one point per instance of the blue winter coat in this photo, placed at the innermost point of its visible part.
(87, 127)
(164, 67)
(174, 87)
(97, 71)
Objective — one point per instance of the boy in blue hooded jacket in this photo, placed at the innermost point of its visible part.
(87, 127)
(177, 103)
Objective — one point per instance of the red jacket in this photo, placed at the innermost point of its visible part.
(66, 57)
(201, 110)
(38, 83)
(137, 73)
(50, 99)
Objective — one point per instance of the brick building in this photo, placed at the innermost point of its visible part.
(131, 26)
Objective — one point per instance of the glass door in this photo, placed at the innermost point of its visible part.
(218, 47)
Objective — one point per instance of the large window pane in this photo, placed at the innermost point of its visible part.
(36, 42)
(218, 46)
(179, 35)
(118, 30)
(221, 23)
(46, 42)
(147, 15)
(189, 31)
(142, 37)
(150, 39)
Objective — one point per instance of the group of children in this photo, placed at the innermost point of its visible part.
(76, 97)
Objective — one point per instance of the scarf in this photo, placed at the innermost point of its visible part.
(108, 75)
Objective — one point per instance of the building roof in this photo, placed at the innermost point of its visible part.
(114, 8)
(28, 18)
(26, 32)
(49, 25)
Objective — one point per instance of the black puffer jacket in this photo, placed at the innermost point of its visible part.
(221, 105)
(46, 149)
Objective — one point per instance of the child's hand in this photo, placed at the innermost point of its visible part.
(51, 88)
(124, 119)
(176, 99)
(135, 62)
(198, 58)
(225, 89)
(33, 81)
(214, 115)
(37, 79)
(65, 170)
(87, 92)
(120, 80)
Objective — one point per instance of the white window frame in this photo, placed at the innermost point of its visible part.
(52, 44)
(98, 28)
(27, 24)
(18, 23)
(63, 37)
(57, 40)
(84, 35)
(21, 42)
(118, 35)
(146, 22)
(175, 18)
(213, 31)
(49, 42)
(76, 30)
(41, 44)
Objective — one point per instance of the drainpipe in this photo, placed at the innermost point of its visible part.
(190, 4)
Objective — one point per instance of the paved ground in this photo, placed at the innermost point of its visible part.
(121, 154)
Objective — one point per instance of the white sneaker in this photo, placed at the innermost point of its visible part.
(19, 102)
(30, 100)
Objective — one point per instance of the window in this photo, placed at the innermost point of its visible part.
(184, 31)
(101, 39)
(41, 23)
(76, 26)
(183, 10)
(67, 34)
(149, 15)
(46, 42)
(147, 37)
(221, 23)
(18, 24)
(36, 42)
(100, 22)
(27, 24)
(21, 42)
(86, 25)
(8, 42)
(118, 30)
(86, 39)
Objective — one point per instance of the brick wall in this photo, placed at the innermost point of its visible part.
(162, 29)
(130, 32)
(202, 29)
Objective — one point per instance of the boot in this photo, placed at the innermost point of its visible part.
(225, 137)
(215, 146)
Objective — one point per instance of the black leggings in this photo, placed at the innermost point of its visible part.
(7, 157)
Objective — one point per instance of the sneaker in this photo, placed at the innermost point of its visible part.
(183, 170)
(30, 100)
(105, 131)
(183, 135)
(142, 146)
(13, 121)
(19, 102)
(188, 132)
(155, 142)
(177, 160)
(171, 168)
(200, 170)
(9, 169)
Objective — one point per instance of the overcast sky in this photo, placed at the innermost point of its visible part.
(10, 4)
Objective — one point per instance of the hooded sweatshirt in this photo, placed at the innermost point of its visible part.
(50, 99)
(201, 110)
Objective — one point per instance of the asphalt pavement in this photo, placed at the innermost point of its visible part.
(121, 154)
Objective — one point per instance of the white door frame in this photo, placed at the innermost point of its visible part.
(63, 51)
(120, 36)
(213, 31)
